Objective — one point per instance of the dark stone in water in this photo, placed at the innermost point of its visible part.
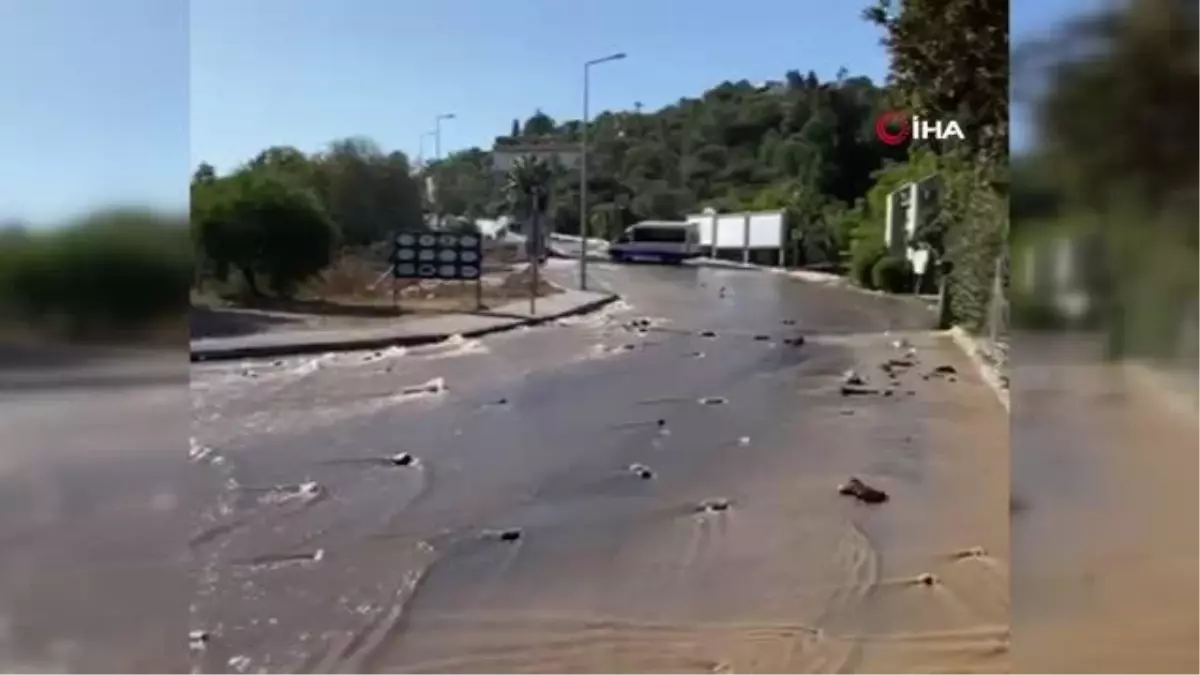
(889, 392)
(789, 322)
(857, 391)
(862, 492)
(945, 370)
(661, 422)
(509, 535)
(714, 505)
(708, 333)
(762, 338)
(641, 471)
(402, 459)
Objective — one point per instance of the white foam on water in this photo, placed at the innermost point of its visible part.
(394, 352)
(433, 387)
(197, 452)
(310, 366)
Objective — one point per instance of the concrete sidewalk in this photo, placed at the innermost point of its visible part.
(405, 332)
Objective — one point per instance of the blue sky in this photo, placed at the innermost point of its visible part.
(106, 101)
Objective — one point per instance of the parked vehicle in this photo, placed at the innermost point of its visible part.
(665, 241)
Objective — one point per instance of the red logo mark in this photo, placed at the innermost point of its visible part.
(893, 127)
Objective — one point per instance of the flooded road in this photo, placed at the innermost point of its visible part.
(1104, 471)
(649, 489)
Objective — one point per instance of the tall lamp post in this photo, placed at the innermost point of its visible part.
(437, 148)
(583, 168)
(437, 133)
(421, 148)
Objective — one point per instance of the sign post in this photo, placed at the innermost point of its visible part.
(535, 245)
(441, 255)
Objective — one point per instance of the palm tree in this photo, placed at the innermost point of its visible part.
(527, 189)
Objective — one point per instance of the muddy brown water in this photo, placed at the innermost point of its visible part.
(319, 555)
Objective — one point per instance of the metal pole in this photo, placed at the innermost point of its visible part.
(583, 184)
(535, 249)
(583, 172)
(437, 150)
(437, 138)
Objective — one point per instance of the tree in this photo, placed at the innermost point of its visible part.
(368, 193)
(263, 226)
(204, 173)
(540, 124)
(950, 58)
(527, 186)
(516, 129)
(1138, 76)
(722, 147)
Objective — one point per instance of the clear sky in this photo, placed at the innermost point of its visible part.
(107, 101)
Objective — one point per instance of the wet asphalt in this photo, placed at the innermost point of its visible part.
(553, 509)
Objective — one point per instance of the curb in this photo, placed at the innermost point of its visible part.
(808, 276)
(264, 351)
(990, 374)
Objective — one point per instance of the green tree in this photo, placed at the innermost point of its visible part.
(721, 148)
(265, 227)
(950, 58)
(204, 173)
(368, 193)
(540, 124)
(527, 186)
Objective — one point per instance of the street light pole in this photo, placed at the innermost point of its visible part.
(437, 134)
(437, 149)
(421, 149)
(583, 168)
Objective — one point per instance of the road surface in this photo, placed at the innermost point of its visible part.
(1104, 473)
(320, 554)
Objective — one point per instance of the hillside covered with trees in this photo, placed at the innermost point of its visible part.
(797, 143)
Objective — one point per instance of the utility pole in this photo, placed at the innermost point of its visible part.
(437, 150)
(583, 172)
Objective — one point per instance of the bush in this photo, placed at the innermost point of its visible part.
(862, 263)
(264, 227)
(110, 271)
(892, 274)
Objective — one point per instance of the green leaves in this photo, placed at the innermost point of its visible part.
(950, 59)
(527, 185)
(265, 226)
(723, 146)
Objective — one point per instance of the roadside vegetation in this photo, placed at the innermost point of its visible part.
(294, 226)
(1113, 177)
(112, 275)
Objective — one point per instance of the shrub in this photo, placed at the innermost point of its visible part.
(113, 270)
(862, 263)
(892, 274)
(265, 228)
